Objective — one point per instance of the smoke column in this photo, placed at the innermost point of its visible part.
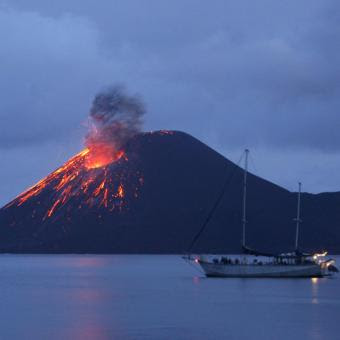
(115, 117)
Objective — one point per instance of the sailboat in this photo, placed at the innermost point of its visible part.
(296, 264)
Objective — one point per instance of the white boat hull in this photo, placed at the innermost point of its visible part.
(265, 270)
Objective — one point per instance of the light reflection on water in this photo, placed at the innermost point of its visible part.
(156, 297)
(315, 280)
(85, 261)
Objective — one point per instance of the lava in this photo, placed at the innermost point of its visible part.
(51, 210)
(99, 156)
(98, 176)
(120, 192)
(93, 178)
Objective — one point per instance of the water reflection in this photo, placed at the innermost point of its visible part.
(156, 297)
(86, 261)
(88, 298)
(86, 295)
(196, 280)
(90, 331)
(315, 290)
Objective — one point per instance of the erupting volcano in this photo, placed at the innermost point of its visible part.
(114, 119)
(88, 182)
(149, 192)
(102, 157)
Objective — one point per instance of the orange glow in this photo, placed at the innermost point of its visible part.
(84, 177)
(120, 192)
(100, 156)
(37, 188)
(105, 201)
(50, 211)
(86, 184)
(99, 188)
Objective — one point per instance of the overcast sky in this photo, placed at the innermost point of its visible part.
(258, 74)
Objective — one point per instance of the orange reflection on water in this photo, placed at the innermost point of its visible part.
(90, 331)
(90, 261)
(85, 295)
(196, 280)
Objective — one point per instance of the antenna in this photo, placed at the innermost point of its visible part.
(244, 216)
(297, 219)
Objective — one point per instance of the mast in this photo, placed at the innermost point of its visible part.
(244, 206)
(298, 220)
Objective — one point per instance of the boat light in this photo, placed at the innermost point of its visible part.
(315, 256)
(329, 263)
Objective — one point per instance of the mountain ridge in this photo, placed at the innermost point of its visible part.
(169, 184)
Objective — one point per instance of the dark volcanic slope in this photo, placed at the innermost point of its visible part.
(155, 199)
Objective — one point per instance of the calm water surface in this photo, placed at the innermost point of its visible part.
(156, 297)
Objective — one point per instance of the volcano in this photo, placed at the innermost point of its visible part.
(153, 197)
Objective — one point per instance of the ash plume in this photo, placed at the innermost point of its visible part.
(115, 117)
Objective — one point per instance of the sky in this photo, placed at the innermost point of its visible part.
(263, 75)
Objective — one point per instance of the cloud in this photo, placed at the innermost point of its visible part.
(263, 75)
(266, 71)
(278, 87)
(48, 75)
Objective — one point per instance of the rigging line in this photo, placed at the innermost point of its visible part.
(217, 202)
(252, 161)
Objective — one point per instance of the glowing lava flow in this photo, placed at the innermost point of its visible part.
(101, 156)
(94, 180)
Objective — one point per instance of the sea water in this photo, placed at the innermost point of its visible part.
(156, 297)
